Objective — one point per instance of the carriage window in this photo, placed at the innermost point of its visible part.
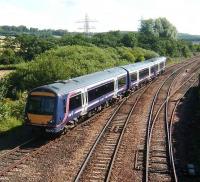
(134, 77)
(75, 102)
(100, 91)
(144, 73)
(154, 69)
(109, 87)
(121, 81)
(162, 65)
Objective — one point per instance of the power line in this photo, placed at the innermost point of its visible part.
(86, 25)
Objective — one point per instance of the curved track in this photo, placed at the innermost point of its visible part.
(174, 102)
(99, 161)
(102, 155)
(158, 148)
(24, 152)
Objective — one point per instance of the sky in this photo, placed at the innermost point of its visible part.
(124, 15)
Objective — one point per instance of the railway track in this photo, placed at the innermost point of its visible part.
(100, 159)
(33, 147)
(173, 102)
(159, 156)
(24, 152)
(30, 148)
(130, 162)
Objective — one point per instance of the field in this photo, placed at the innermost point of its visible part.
(4, 73)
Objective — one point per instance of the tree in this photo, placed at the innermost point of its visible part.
(147, 27)
(30, 45)
(159, 27)
(8, 57)
(109, 39)
(129, 40)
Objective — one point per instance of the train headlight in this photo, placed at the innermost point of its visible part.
(26, 119)
(51, 122)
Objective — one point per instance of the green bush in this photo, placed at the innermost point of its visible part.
(4, 85)
(58, 64)
(11, 113)
(68, 62)
(9, 123)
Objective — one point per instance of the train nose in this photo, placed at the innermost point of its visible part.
(39, 119)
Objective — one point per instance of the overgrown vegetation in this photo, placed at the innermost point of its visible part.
(158, 35)
(57, 64)
(18, 30)
(68, 62)
(11, 113)
(41, 59)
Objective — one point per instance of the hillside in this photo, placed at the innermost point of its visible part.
(188, 37)
(18, 30)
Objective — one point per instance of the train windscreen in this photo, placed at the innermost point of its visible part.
(41, 105)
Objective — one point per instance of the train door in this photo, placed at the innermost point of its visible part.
(138, 79)
(84, 94)
(115, 87)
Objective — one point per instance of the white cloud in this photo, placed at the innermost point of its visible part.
(111, 14)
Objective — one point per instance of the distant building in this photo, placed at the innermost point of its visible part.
(196, 42)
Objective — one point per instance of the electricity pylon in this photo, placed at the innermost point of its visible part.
(86, 25)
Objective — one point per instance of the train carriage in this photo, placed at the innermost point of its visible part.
(55, 105)
(63, 102)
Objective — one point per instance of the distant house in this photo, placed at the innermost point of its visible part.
(2, 40)
(196, 42)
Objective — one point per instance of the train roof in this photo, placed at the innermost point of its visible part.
(144, 64)
(65, 86)
(157, 59)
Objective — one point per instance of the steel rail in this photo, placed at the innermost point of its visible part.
(153, 122)
(167, 122)
(150, 124)
(86, 161)
(121, 136)
(170, 132)
(18, 147)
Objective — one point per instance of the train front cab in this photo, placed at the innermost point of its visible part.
(40, 111)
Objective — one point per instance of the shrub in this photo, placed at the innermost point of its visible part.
(68, 62)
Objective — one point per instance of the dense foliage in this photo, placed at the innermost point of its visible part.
(167, 47)
(70, 61)
(11, 113)
(159, 27)
(40, 58)
(56, 64)
(17, 30)
(27, 47)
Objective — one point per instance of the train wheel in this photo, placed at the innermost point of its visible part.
(89, 114)
(64, 131)
(107, 104)
(99, 109)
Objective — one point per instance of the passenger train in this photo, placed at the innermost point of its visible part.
(57, 105)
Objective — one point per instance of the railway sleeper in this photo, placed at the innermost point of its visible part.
(102, 168)
(158, 151)
(96, 178)
(160, 171)
(158, 156)
(103, 158)
(160, 162)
